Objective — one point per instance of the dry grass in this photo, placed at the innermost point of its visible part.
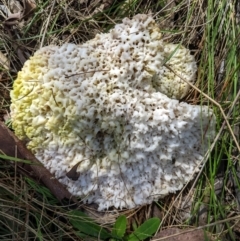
(28, 211)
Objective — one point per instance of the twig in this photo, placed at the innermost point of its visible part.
(91, 71)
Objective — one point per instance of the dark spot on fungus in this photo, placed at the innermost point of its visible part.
(73, 174)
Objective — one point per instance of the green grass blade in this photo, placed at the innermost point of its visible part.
(119, 228)
(86, 225)
(146, 230)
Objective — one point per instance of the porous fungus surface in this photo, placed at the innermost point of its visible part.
(102, 111)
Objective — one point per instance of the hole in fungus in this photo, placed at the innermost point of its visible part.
(92, 101)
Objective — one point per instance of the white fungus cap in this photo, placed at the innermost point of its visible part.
(101, 108)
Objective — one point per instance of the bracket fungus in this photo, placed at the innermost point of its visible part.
(105, 119)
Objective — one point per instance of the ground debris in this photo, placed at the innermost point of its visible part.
(10, 145)
(176, 234)
(15, 12)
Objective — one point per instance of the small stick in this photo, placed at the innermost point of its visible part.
(92, 71)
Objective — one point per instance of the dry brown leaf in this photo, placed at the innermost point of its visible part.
(21, 55)
(18, 12)
(10, 145)
(29, 7)
(15, 6)
(196, 235)
(4, 62)
(4, 11)
(14, 14)
(13, 18)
